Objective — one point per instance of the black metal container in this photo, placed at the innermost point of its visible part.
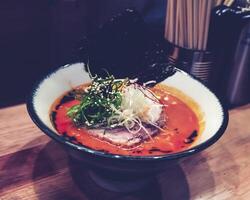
(228, 41)
(238, 85)
(196, 62)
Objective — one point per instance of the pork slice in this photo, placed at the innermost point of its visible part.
(122, 137)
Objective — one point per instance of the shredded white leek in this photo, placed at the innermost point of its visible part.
(139, 105)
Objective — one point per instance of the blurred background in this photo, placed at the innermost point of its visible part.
(38, 36)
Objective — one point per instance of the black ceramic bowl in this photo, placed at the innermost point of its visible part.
(118, 166)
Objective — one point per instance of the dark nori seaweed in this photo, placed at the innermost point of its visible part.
(66, 98)
(127, 47)
(68, 138)
(53, 118)
(191, 138)
(155, 149)
(103, 150)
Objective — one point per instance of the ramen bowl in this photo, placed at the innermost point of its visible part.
(120, 171)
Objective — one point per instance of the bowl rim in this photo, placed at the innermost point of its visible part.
(195, 149)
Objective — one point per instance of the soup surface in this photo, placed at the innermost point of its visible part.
(184, 123)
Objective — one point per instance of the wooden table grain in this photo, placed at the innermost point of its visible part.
(34, 167)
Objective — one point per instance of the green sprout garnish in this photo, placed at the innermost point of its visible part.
(98, 102)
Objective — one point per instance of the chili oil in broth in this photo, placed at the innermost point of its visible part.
(183, 126)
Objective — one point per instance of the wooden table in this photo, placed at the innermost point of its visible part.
(34, 167)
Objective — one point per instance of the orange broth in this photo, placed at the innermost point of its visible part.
(184, 125)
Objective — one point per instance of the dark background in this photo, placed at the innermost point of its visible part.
(39, 35)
